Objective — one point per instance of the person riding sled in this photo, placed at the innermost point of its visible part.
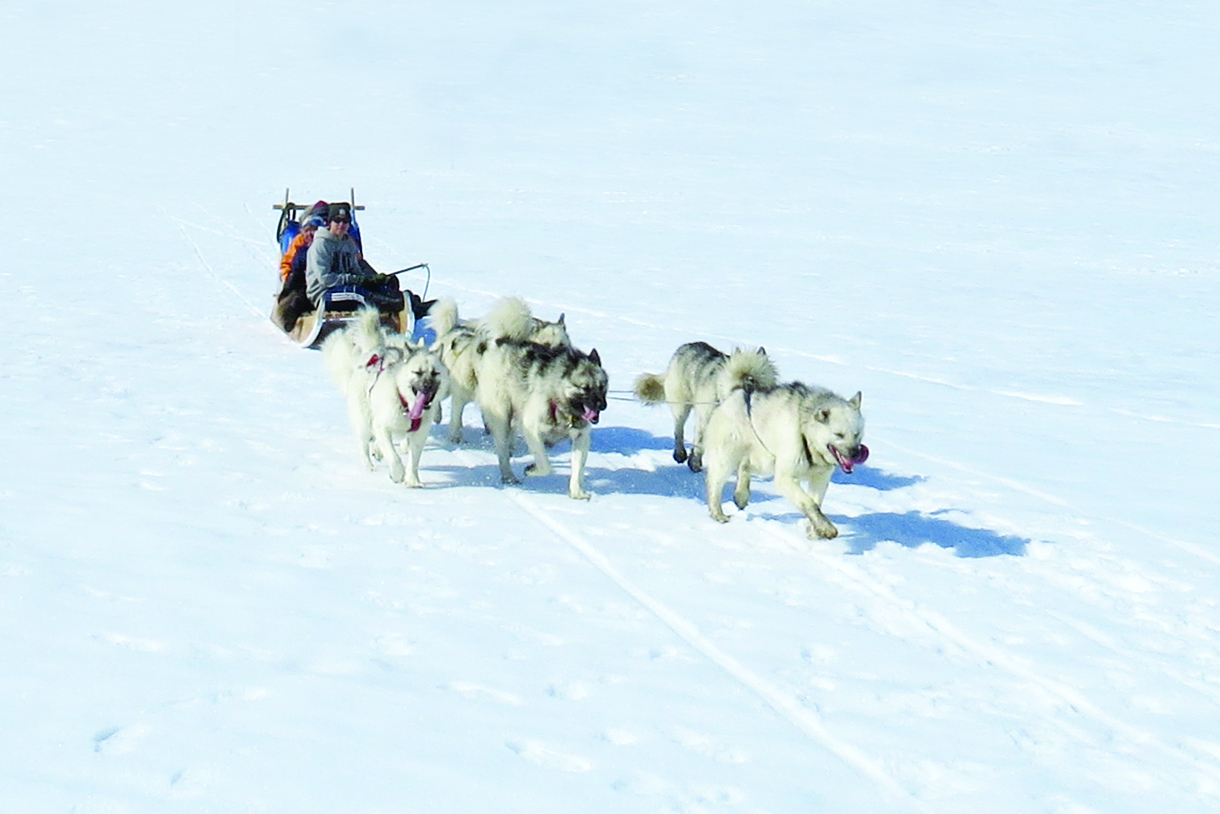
(334, 260)
(292, 302)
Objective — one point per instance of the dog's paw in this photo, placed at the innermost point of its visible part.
(822, 531)
(680, 454)
(542, 468)
(741, 499)
(695, 462)
(580, 495)
(718, 515)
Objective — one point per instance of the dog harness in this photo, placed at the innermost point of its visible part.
(748, 393)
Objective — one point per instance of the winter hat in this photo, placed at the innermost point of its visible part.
(315, 221)
(318, 209)
(338, 211)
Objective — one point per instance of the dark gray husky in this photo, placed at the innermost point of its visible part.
(549, 393)
(699, 377)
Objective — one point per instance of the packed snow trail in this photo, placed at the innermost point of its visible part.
(784, 704)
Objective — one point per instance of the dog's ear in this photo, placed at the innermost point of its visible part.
(560, 320)
(593, 357)
(762, 351)
(822, 415)
(855, 400)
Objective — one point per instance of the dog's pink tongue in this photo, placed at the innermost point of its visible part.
(416, 413)
(591, 415)
(847, 464)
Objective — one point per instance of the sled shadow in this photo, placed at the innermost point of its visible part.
(914, 529)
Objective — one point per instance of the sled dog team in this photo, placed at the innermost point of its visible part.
(526, 376)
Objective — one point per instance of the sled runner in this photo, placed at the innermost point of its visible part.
(308, 326)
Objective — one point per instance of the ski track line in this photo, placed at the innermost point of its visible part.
(231, 233)
(783, 703)
(208, 268)
(857, 578)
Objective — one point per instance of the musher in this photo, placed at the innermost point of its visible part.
(334, 260)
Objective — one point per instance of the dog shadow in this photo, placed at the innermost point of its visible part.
(665, 481)
(670, 479)
(914, 529)
(873, 478)
(627, 440)
(861, 534)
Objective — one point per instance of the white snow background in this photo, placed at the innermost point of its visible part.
(998, 221)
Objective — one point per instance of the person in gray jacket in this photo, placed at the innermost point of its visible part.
(334, 260)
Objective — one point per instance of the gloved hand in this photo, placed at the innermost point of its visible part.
(378, 279)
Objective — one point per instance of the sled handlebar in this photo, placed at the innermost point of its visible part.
(427, 280)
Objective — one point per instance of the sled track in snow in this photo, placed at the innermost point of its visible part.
(856, 579)
(207, 267)
(785, 704)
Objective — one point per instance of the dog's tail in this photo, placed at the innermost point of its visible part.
(345, 351)
(444, 314)
(650, 388)
(337, 357)
(510, 318)
(366, 330)
(748, 369)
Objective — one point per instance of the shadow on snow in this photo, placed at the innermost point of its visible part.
(914, 529)
(861, 534)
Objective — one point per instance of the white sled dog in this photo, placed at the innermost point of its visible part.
(549, 393)
(797, 433)
(699, 377)
(393, 388)
(458, 343)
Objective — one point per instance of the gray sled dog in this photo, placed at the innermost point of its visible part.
(549, 393)
(699, 377)
(393, 389)
(458, 343)
(797, 433)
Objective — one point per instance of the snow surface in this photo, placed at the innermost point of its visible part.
(997, 220)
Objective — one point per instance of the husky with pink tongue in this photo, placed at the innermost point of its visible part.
(394, 388)
(549, 394)
(796, 432)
